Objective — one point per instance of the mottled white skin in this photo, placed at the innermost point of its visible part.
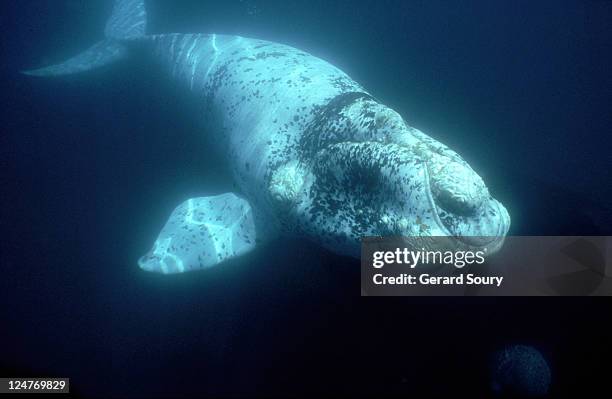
(315, 155)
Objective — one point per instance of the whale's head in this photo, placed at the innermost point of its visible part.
(367, 173)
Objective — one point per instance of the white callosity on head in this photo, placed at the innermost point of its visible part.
(287, 182)
(455, 186)
(200, 233)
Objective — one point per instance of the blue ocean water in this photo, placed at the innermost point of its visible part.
(92, 165)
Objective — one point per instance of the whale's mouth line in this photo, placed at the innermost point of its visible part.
(432, 203)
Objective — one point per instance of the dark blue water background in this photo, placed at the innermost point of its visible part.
(92, 165)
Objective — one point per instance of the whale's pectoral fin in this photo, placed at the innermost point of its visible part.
(202, 232)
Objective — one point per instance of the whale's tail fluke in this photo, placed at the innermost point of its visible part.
(127, 22)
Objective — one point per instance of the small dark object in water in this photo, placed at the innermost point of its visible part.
(520, 371)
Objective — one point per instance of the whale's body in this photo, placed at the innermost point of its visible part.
(311, 151)
(258, 98)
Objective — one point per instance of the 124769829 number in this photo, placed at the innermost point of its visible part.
(8, 385)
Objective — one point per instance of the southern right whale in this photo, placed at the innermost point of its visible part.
(312, 152)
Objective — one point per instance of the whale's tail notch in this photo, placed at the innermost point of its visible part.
(127, 23)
